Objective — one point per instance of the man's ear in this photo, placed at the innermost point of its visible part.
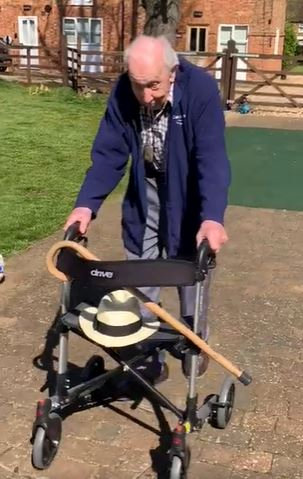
(172, 76)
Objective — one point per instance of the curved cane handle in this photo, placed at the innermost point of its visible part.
(51, 256)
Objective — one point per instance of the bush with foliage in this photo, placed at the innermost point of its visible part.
(290, 45)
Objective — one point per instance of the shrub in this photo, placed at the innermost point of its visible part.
(290, 45)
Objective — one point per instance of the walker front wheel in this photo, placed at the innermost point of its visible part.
(178, 469)
(46, 442)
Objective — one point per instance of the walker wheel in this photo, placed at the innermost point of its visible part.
(177, 470)
(223, 408)
(179, 466)
(93, 368)
(46, 442)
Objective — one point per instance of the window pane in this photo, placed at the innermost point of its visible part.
(83, 30)
(225, 34)
(240, 34)
(71, 38)
(202, 39)
(95, 31)
(193, 39)
(69, 29)
(26, 37)
(241, 47)
(68, 25)
(80, 2)
(32, 32)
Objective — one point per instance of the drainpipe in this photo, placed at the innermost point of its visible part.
(122, 25)
(277, 41)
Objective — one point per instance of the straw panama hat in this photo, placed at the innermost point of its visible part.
(117, 321)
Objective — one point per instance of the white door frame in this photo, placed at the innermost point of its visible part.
(34, 52)
(240, 63)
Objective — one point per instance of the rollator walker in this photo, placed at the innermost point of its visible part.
(86, 280)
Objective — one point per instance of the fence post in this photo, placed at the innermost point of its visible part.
(233, 69)
(73, 72)
(223, 86)
(79, 47)
(229, 72)
(28, 65)
(64, 60)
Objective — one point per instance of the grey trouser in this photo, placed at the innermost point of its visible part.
(154, 248)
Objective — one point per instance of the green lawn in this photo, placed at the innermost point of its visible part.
(45, 151)
(298, 68)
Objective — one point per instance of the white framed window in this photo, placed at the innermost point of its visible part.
(87, 29)
(82, 3)
(300, 28)
(238, 33)
(196, 39)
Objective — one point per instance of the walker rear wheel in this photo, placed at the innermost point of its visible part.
(93, 368)
(223, 408)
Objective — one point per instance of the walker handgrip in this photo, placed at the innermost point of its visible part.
(245, 378)
(72, 231)
(205, 254)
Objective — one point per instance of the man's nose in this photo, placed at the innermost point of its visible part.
(147, 96)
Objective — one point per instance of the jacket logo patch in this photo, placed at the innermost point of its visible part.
(179, 119)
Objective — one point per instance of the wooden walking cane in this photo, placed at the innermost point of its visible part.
(242, 376)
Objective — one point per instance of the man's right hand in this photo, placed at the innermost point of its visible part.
(81, 214)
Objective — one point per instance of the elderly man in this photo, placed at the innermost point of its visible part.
(166, 114)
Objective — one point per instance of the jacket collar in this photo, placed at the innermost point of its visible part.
(179, 82)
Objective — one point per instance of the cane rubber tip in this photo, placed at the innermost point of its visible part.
(245, 378)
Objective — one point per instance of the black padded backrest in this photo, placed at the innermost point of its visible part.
(135, 273)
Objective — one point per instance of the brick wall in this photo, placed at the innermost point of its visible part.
(265, 19)
(262, 16)
(49, 25)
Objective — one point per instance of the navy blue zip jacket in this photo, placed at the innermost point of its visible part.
(197, 167)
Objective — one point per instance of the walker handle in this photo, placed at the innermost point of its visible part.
(206, 259)
(72, 231)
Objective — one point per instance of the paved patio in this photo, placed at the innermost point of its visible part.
(256, 321)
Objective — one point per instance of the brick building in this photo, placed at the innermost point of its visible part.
(41, 22)
(257, 26)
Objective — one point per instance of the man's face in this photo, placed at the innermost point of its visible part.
(150, 83)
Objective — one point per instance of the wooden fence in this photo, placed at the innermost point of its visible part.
(260, 77)
(34, 64)
(270, 80)
(103, 71)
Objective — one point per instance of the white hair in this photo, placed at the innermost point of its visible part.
(170, 56)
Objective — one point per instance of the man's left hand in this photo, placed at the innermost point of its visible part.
(214, 232)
